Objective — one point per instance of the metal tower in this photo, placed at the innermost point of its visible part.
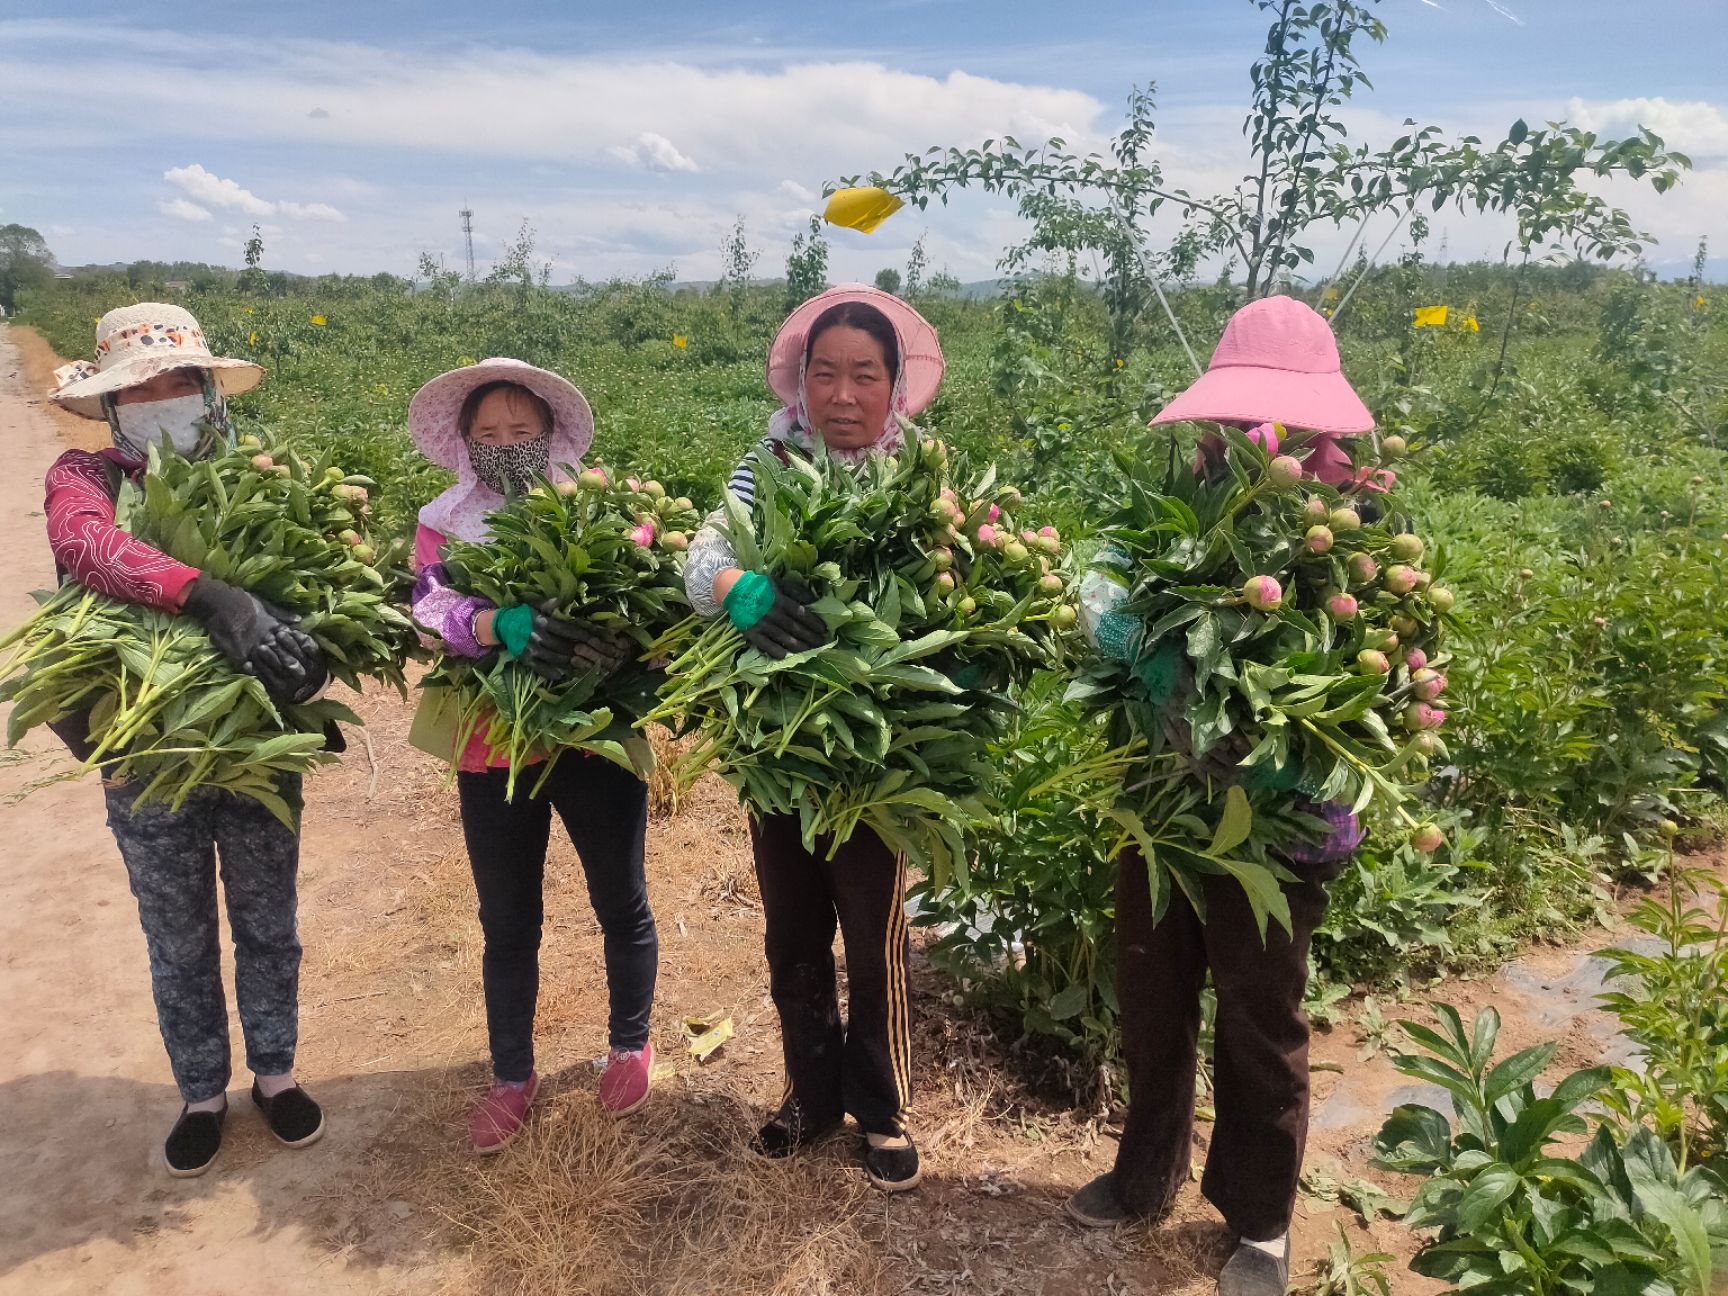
(467, 215)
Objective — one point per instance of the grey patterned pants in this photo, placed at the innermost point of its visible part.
(172, 860)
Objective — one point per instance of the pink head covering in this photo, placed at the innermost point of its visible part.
(920, 375)
(1276, 363)
(461, 510)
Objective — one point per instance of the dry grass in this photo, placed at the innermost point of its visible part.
(589, 1204)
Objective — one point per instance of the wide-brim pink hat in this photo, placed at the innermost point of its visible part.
(921, 364)
(432, 413)
(1276, 363)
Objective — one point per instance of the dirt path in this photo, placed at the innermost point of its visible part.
(392, 1037)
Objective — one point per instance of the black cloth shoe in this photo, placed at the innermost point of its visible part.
(291, 1115)
(891, 1162)
(1098, 1205)
(789, 1131)
(1251, 1272)
(194, 1142)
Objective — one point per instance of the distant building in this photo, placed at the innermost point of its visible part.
(176, 285)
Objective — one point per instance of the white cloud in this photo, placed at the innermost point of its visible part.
(310, 211)
(212, 189)
(655, 152)
(216, 191)
(186, 211)
(813, 120)
(1694, 127)
(792, 189)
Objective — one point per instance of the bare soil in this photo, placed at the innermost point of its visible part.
(392, 1042)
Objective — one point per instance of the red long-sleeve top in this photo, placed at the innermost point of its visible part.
(80, 490)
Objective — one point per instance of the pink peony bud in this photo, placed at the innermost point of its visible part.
(943, 558)
(1318, 540)
(1341, 608)
(944, 581)
(1266, 437)
(1419, 716)
(1345, 519)
(593, 479)
(1400, 579)
(1393, 447)
(1370, 662)
(1262, 593)
(1427, 838)
(1404, 625)
(1440, 598)
(1050, 584)
(987, 535)
(1363, 568)
(643, 534)
(1316, 510)
(1284, 471)
(566, 488)
(1406, 547)
(676, 540)
(1429, 684)
(1415, 659)
(1015, 552)
(262, 462)
(993, 512)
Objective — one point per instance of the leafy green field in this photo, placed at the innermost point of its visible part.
(1579, 497)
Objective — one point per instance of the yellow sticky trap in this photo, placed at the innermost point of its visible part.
(1471, 324)
(320, 321)
(862, 208)
(705, 1035)
(680, 341)
(1431, 316)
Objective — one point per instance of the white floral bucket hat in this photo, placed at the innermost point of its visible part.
(136, 343)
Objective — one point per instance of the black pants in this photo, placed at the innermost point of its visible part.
(1260, 1054)
(865, 1066)
(605, 810)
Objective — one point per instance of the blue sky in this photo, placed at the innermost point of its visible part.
(631, 137)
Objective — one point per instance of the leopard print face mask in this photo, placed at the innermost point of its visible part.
(510, 469)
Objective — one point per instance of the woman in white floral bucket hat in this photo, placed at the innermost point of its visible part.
(155, 381)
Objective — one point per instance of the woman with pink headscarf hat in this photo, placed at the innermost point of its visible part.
(499, 425)
(846, 365)
(1276, 367)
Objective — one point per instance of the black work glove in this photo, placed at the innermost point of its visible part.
(789, 626)
(257, 638)
(599, 650)
(551, 648)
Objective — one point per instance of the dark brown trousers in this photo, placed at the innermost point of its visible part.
(1260, 1061)
(864, 1066)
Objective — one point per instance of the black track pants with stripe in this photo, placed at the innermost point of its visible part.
(864, 1067)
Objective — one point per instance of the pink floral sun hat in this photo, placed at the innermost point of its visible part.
(432, 412)
(461, 511)
(921, 363)
(1276, 363)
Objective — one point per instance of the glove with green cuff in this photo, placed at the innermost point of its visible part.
(544, 643)
(774, 619)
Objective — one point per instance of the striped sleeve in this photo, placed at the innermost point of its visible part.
(710, 552)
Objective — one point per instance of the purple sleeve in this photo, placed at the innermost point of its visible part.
(448, 613)
(1344, 833)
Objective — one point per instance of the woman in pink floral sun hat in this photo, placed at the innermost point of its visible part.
(1276, 370)
(499, 425)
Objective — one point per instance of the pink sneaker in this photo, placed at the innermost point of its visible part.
(625, 1085)
(499, 1117)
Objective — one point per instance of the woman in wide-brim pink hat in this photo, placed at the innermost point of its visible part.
(847, 366)
(154, 380)
(1276, 375)
(499, 425)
